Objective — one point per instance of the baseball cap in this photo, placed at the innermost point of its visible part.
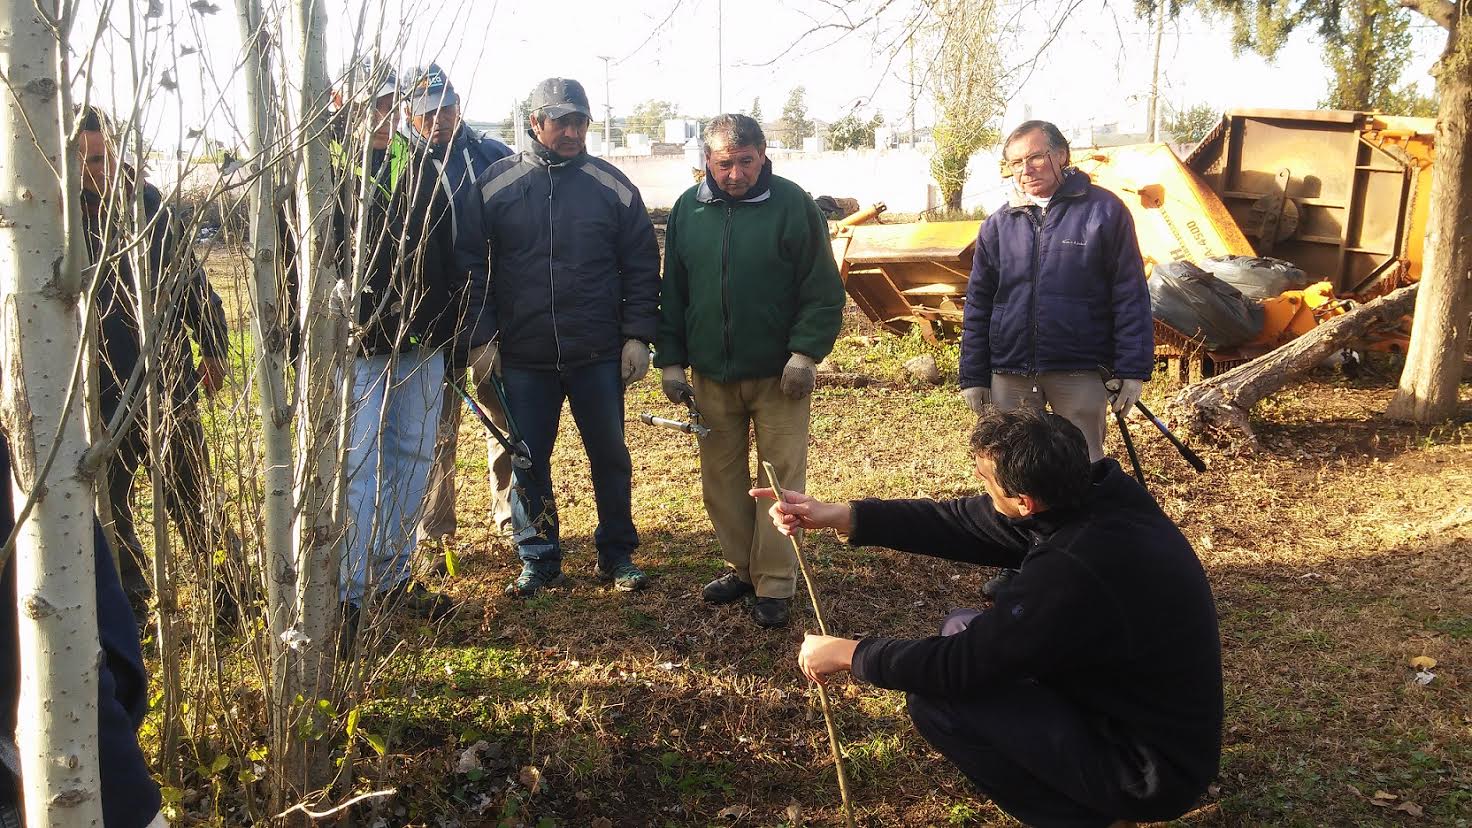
(430, 89)
(556, 97)
(368, 80)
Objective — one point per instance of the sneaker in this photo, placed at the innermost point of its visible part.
(533, 580)
(771, 612)
(412, 596)
(726, 589)
(995, 584)
(625, 576)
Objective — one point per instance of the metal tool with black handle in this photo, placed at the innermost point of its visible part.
(1112, 385)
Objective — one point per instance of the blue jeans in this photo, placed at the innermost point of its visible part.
(394, 412)
(596, 395)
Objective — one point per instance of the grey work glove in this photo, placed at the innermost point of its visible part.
(977, 398)
(635, 361)
(672, 383)
(1123, 399)
(799, 377)
(485, 360)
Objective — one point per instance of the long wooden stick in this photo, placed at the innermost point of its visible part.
(802, 566)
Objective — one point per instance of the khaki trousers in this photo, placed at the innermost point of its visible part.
(439, 503)
(1078, 396)
(760, 554)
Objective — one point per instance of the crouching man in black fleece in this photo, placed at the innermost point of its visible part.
(1092, 690)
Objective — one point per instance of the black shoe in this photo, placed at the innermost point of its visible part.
(993, 586)
(725, 589)
(412, 596)
(771, 612)
(347, 633)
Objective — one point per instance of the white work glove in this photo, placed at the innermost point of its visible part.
(799, 377)
(1122, 400)
(485, 360)
(672, 383)
(977, 398)
(635, 361)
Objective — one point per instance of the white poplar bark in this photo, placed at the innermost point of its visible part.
(42, 413)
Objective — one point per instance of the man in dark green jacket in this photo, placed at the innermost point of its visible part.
(751, 300)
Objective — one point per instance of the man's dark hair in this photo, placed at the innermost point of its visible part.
(1056, 141)
(92, 119)
(735, 130)
(1036, 453)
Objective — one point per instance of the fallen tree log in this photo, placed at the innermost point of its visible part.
(1217, 409)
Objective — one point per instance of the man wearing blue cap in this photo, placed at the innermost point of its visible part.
(456, 155)
(575, 284)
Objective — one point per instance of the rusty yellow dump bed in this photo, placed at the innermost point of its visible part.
(906, 274)
(1177, 216)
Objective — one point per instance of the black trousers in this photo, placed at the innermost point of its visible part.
(1046, 761)
(186, 501)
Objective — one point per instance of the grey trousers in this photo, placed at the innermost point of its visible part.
(1078, 396)
(439, 502)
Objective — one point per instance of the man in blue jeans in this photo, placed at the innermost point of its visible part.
(574, 273)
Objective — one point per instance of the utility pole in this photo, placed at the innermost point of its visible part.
(607, 109)
(720, 59)
(1154, 118)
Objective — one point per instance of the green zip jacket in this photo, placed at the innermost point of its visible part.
(747, 283)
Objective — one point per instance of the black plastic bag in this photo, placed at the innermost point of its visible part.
(1203, 307)
(1258, 277)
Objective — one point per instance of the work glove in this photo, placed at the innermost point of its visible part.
(672, 383)
(635, 361)
(799, 376)
(1123, 399)
(485, 360)
(977, 398)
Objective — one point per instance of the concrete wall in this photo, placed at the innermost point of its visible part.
(898, 177)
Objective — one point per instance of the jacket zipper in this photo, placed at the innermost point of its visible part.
(726, 287)
(1037, 273)
(551, 267)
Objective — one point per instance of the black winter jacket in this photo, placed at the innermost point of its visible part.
(412, 292)
(1110, 608)
(572, 255)
(190, 306)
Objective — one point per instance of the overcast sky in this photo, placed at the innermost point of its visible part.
(1096, 70)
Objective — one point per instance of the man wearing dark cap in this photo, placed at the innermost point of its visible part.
(456, 155)
(575, 287)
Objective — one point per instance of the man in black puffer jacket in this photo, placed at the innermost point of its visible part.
(1092, 691)
(575, 282)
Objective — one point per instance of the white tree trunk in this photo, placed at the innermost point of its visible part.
(40, 282)
(271, 322)
(1428, 385)
(320, 376)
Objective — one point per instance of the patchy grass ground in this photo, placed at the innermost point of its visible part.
(1335, 559)
(1337, 556)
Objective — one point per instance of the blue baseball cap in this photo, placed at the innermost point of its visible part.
(430, 89)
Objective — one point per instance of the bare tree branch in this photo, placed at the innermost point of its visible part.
(1442, 12)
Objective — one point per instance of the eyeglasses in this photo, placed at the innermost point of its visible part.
(1030, 162)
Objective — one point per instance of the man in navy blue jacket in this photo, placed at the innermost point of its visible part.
(130, 798)
(574, 270)
(1057, 289)
(455, 155)
(1092, 690)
